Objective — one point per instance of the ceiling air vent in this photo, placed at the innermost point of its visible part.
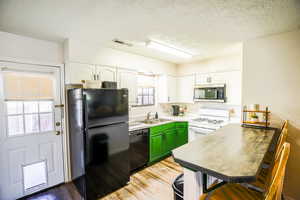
(122, 42)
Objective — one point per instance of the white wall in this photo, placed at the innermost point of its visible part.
(271, 76)
(16, 47)
(89, 52)
(216, 64)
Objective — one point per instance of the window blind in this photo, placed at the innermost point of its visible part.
(27, 86)
(146, 80)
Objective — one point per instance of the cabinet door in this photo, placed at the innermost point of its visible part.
(162, 89)
(218, 78)
(203, 79)
(106, 73)
(172, 88)
(167, 90)
(170, 140)
(128, 79)
(78, 72)
(156, 147)
(185, 86)
(182, 136)
(233, 87)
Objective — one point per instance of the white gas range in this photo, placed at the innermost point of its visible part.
(209, 120)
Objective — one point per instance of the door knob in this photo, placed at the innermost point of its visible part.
(57, 132)
(57, 124)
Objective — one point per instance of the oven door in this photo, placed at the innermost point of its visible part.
(206, 93)
(196, 131)
(199, 93)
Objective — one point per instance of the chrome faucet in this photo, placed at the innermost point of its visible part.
(148, 116)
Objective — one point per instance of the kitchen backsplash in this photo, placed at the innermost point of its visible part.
(165, 109)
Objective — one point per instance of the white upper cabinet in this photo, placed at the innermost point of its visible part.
(105, 73)
(128, 79)
(233, 87)
(185, 86)
(203, 79)
(172, 88)
(76, 72)
(167, 89)
(210, 78)
(218, 78)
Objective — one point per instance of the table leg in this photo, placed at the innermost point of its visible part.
(192, 184)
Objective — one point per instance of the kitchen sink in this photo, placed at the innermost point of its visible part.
(154, 121)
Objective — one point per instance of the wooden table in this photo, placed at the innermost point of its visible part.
(233, 154)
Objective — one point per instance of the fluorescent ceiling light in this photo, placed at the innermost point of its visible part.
(168, 49)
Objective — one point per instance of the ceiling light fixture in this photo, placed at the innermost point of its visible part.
(168, 49)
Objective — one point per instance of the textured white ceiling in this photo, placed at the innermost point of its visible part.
(202, 27)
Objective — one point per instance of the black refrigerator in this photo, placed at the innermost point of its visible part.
(99, 140)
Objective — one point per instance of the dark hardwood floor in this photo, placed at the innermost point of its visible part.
(151, 183)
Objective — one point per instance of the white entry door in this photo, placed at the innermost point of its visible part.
(31, 156)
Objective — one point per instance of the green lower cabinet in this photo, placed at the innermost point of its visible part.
(182, 136)
(156, 147)
(170, 140)
(165, 138)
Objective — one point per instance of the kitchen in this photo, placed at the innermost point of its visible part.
(159, 102)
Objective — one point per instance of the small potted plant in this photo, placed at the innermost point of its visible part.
(254, 117)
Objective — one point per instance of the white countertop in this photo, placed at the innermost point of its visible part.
(184, 118)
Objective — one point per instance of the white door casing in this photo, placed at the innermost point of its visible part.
(20, 152)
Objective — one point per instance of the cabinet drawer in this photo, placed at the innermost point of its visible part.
(181, 124)
(157, 129)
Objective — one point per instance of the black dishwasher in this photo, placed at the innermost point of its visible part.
(139, 148)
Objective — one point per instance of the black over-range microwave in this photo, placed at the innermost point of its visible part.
(210, 92)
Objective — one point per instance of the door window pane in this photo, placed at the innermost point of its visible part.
(45, 106)
(31, 123)
(46, 121)
(15, 125)
(30, 107)
(14, 107)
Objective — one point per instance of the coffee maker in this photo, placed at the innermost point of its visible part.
(176, 110)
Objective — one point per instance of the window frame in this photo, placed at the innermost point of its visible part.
(145, 105)
(23, 114)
